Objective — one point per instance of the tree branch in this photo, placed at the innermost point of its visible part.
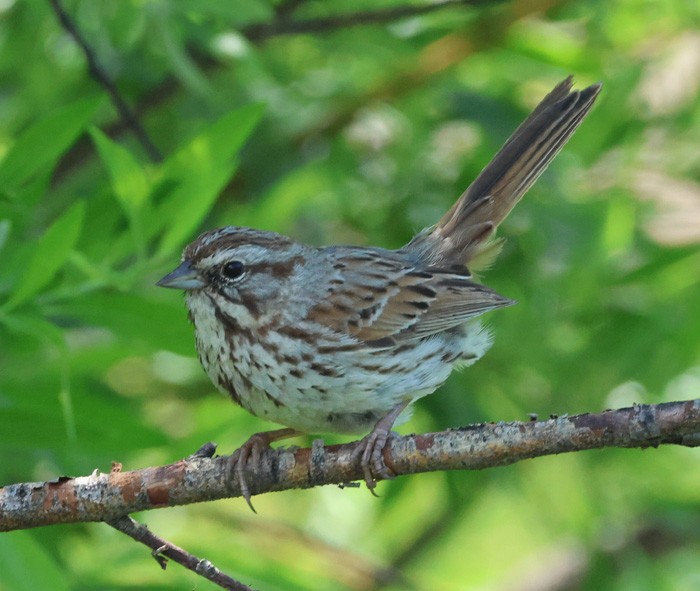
(287, 7)
(438, 55)
(105, 497)
(162, 548)
(126, 114)
(259, 32)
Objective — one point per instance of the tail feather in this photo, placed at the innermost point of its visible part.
(464, 231)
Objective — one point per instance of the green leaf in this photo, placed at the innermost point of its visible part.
(4, 232)
(236, 13)
(127, 177)
(49, 256)
(125, 315)
(36, 327)
(181, 63)
(188, 204)
(203, 167)
(43, 142)
(214, 146)
(25, 565)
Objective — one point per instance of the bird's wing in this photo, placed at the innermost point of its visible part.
(375, 295)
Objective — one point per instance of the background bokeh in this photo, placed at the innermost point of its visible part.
(350, 131)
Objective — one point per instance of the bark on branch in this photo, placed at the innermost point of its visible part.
(162, 550)
(106, 497)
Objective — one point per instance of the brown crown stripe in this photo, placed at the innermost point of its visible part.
(232, 237)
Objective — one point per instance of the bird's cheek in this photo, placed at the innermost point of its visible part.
(261, 296)
(230, 294)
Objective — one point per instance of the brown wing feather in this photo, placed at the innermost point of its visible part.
(375, 295)
(457, 300)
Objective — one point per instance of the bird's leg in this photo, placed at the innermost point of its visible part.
(251, 449)
(371, 447)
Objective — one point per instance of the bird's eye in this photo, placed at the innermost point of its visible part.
(233, 269)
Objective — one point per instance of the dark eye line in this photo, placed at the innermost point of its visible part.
(278, 270)
(235, 270)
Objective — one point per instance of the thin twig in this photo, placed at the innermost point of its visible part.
(70, 500)
(287, 7)
(259, 32)
(162, 548)
(397, 85)
(98, 73)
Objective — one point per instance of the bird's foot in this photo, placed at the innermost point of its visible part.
(249, 454)
(370, 449)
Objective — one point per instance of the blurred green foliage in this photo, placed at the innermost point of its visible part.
(352, 134)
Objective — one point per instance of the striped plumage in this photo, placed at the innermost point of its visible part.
(330, 339)
(333, 339)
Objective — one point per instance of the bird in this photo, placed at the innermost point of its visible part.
(343, 339)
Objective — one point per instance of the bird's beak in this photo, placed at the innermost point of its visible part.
(184, 277)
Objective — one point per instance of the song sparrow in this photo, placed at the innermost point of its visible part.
(343, 338)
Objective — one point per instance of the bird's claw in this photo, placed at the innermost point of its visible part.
(370, 451)
(252, 450)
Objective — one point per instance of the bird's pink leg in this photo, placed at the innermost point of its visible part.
(371, 447)
(251, 449)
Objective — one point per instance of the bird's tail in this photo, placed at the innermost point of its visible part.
(463, 232)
